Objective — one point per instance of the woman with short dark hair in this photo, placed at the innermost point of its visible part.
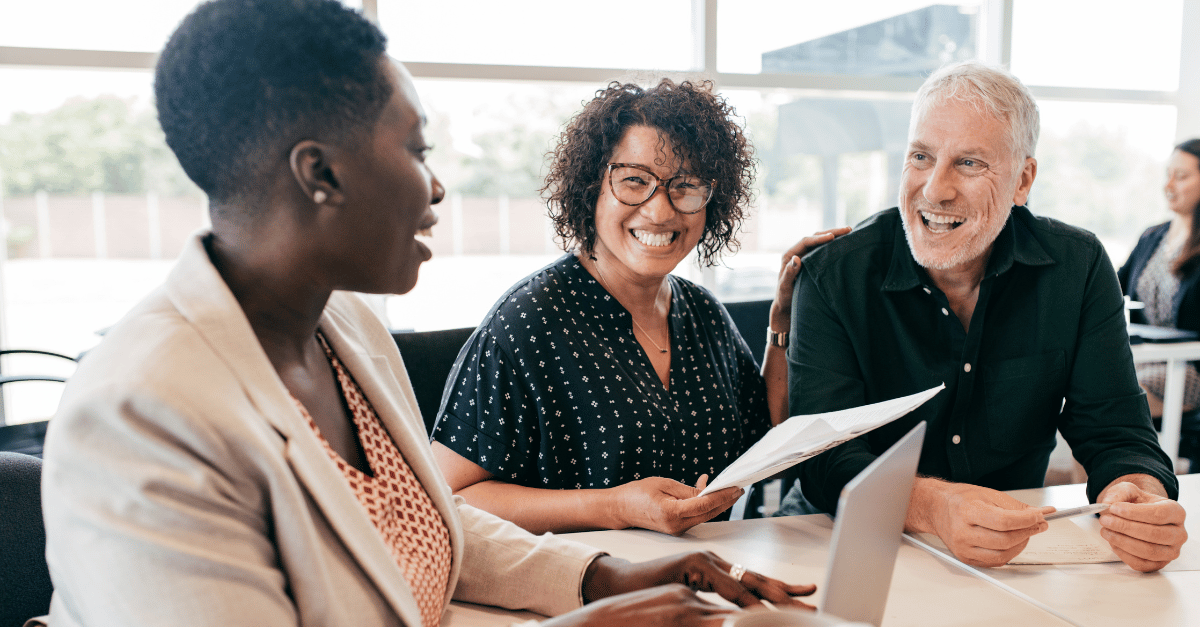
(243, 446)
(600, 388)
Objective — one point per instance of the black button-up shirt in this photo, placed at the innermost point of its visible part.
(1047, 350)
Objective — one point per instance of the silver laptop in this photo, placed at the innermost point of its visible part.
(866, 536)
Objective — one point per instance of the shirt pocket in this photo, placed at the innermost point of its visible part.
(1022, 399)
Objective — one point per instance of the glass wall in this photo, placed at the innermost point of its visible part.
(612, 34)
(871, 37)
(95, 207)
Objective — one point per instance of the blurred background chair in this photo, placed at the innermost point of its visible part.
(428, 357)
(22, 434)
(25, 585)
(752, 317)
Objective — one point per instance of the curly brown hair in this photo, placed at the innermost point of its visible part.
(699, 126)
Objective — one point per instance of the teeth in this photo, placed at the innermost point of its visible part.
(936, 219)
(940, 224)
(654, 239)
(427, 232)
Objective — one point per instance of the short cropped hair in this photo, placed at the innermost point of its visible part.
(700, 127)
(241, 81)
(989, 89)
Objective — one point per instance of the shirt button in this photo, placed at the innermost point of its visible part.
(966, 367)
(944, 312)
(956, 439)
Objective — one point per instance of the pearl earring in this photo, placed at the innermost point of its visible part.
(319, 196)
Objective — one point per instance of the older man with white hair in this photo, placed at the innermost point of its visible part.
(1019, 315)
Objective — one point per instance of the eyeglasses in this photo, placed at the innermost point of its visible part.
(633, 185)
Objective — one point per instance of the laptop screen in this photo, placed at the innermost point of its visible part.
(868, 530)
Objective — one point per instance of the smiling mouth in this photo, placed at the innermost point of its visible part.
(654, 239)
(940, 224)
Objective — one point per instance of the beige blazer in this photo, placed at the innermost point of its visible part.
(182, 487)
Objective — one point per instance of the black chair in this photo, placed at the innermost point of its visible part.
(1189, 439)
(752, 317)
(428, 357)
(26, 438)
(25, 585)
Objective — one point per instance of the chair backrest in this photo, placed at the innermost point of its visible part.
(25, 586)
(428, 357)
(6, 377)
(752, 317)
(27, 437)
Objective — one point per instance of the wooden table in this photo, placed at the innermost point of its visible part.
(928, 590)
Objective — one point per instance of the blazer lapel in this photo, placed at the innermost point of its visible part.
(376, 365)
(201, 295)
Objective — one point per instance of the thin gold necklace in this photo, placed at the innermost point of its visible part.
(603, 282)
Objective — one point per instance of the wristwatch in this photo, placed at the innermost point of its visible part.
(779, 339)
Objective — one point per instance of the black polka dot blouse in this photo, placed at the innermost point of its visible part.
(553, 391)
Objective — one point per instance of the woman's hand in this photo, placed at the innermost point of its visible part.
(662, 591)
(670, 605)
(789, 267)
(665, 505)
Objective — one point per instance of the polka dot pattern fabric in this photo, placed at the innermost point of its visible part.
(554, 391)
(395, 500)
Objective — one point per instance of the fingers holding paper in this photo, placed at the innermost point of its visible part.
(981, 526)
(661, 504)
(1144, 529)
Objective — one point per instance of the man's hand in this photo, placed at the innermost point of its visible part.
(1143, 528)
(981, 526)
(661, 504)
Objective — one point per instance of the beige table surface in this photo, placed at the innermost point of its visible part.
(926, 591)
(1102, 595)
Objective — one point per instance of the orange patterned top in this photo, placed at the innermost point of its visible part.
(396, 502)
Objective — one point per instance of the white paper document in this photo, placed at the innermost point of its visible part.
(1065, 543)
(802, 437)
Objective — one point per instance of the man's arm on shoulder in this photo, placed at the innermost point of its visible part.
(824, 375)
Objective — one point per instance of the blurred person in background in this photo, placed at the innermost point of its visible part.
(1163, 271)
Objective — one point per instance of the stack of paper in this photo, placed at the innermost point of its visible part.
(802, 437)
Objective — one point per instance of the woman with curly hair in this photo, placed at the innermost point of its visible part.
(243, 446)
(599, 388)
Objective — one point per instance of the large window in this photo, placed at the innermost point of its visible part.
(95, 208)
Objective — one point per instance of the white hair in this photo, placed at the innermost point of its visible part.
(989, 89)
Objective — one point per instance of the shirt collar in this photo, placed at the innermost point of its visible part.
(1015, 243)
